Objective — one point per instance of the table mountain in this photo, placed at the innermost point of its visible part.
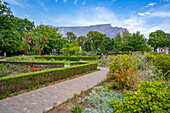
(83, 30)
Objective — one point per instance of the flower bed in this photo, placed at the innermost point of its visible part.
(11, 69)
(23, 81)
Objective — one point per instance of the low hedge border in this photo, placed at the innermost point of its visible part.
(77, 63)
(36, 63)
(23, 81)
(69, 58)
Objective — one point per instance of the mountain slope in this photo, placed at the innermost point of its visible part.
(83, 30)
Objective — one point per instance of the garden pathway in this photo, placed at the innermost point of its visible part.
(42, 99)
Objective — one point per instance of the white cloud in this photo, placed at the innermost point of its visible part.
(101, 15)
(83, 3)
(150, 4)
(14, 2)
(143, 14)
(93, 16)
(56, 0)
(75, 2)
(160, 14)
(100, 3)
(147, 13)
(42, 5)
(64, 1)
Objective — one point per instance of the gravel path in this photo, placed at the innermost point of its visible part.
(42, 99)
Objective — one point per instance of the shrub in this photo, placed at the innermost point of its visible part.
(149, 97)
(125, 78)
(99, 98)
(112, 85)
(162, 62)
(124, 62)
(149, 57)
(154, 53)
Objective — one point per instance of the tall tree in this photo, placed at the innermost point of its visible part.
(81, 40)
(96, 38)
(128, 42)
(23, 25)
(87, 46)
(156, 39)
(9, 40)
(70, 48)
(138, 42)
(106, 45)
(117, 42)
(70, 36)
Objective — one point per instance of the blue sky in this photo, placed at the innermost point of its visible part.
(136, 15)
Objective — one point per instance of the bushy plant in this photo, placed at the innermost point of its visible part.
(112, 85)
(124, 62)
(99, 99)
(143, 63)
(126, 78)
(149, 57)
(162, 62)
(149, 97)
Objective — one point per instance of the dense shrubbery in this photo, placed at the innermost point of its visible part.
(123, 62)
(162, 62)
(148, 97)
(149, 57)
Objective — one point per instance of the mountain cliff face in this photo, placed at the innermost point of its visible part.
(83, 30)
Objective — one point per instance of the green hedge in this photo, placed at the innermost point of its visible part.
(23, 81)
(69, 58)
(36, 63)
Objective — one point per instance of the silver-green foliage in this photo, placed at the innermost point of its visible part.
(99, 98)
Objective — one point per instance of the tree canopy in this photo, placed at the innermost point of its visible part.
(159, 39)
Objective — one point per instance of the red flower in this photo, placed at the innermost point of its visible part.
(26, 71)
(1, 67)
(32, 69)
(27, 66)
(36, 69)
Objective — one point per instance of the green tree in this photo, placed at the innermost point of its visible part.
(96, 38)
(70, 36)
(70, 48)
(138, 42)
(54, 39)
(9, 40)
(159, 39)
(87, 46)
(23, 25)
(107, 45)
(117, 42)
(81, 40)
(128, 42)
